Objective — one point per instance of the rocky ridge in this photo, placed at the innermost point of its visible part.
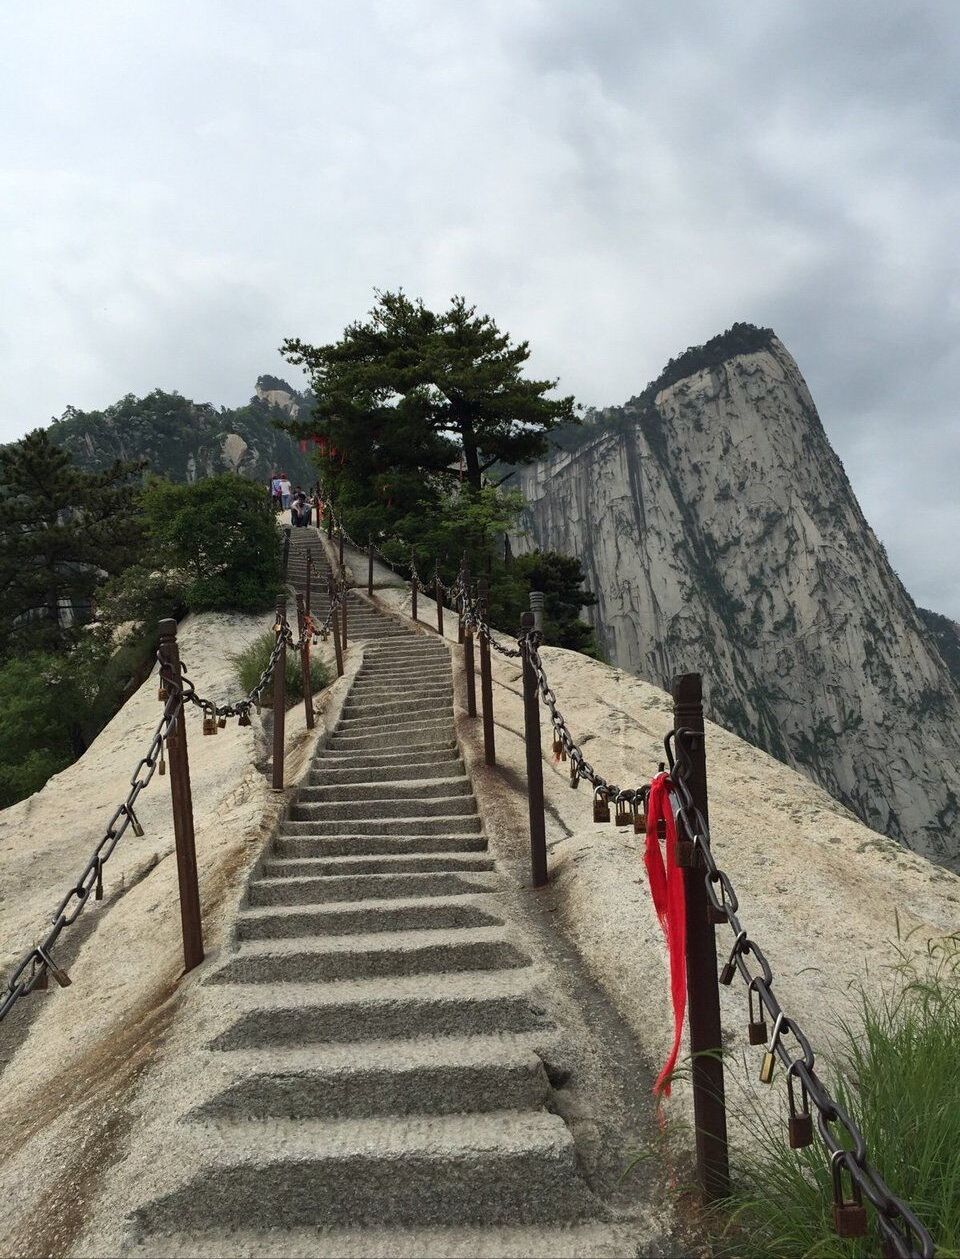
(720, 533)
(186, 440)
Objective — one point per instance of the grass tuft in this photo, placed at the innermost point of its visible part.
(251, 662)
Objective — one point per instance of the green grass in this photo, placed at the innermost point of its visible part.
(897, 1072)
(251, 662)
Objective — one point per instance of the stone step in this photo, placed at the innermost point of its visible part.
(324, 889)
(374, 693)
(410, 1007)
(326, 759)
(500, 1167)
(400, 771)
(450, 824)
(438, 701)
(298, 847)
(389, 807)
(374, 788)
(432, 914)
(541, 1241)
(459, 1079)
(379, 863)
(335, 958)
(428, 741)
(407, 714)
(399, 726)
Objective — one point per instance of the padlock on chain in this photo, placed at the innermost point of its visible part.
(729, 968)
(134, 821)
(209, 724)
(574, 774)
(162, 693)
(622, 812)
(756, 1027)
(639, 815)
(59, 974)
(601, 805)
(222, 721)
(849, 1214)
(244, 718)
(800, 1122)
(769, 1063)
(161, 763)
(98, 889)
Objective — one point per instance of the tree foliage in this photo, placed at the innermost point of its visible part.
(406, 395)
(560, 578)
(221, 536)
(63, 532)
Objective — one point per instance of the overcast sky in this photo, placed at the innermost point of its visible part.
(186, 183)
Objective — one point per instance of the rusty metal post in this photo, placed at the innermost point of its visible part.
(279, 700)
(470, 670)
(709, 1109)
(306, 598)
(335, 628)
(329, 521)
(413, 597)
(182, 801)
(305, 662)
(464, 577)
(439, 606)
(486, 686)
(370, 568)
(343, 621)
(531, 733)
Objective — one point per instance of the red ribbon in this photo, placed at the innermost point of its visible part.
(666, 887)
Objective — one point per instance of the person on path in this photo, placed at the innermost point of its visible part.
(284, 491)
(275, 490)
(300, 511)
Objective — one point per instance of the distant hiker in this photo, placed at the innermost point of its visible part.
(300, 510)
(275, 491)
(284, 491)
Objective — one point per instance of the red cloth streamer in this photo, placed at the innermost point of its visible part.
(666, 887)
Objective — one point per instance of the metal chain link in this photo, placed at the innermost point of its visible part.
(903, 1233)
(39, 959)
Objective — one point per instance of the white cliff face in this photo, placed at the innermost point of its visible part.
(720, 534)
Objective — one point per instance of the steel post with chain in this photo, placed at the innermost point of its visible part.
(709, 1109)
(438, 586)
(303, 622)
(182, 800)
(469, 665)
(370, 568)
(279, 698)
(343, 612)
(335, 627)
(531, 734)
(309, 584)
(486, 682)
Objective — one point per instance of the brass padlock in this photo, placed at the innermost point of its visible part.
(601, 806)
(161, 764)
(98, 889)
(557, 746)
(162, 693)
(729, 968)
(209, 725)
(244, 719)
(639, 817)
(622, 813)
(222, 721)
(42, 981)
(800, 1122)
(574, 775)
(60, 975)
(769, 1063)
(134, 821)
(849, 1214)
(757, 1027)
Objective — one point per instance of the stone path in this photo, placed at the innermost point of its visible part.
(370, 1074)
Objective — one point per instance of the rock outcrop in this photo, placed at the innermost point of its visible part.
(186, 440)
(720, 533)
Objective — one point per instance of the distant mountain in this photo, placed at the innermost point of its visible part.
(186, 440)
(946, 634)
(720, 533)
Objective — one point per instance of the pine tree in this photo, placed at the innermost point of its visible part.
(63, 532)
(402, 398)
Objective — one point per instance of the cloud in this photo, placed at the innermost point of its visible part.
(184, 185)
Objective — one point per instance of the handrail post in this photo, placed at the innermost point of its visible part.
(182, 802)
(305, 661)
(486, 685)
(343, 615)
(531, 733)
(470, 671)
(370, 568)
(464, 579)
(306, 598)
(709, 1109)
(413, 597)
(335, 628)
(439, 586)
(279, 698)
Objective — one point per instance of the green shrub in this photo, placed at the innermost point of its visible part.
(896, 1074)
(222, 536)
(38, 733)
(252, 661)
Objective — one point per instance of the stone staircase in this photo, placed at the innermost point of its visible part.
(371, 1076)
(363, 621)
